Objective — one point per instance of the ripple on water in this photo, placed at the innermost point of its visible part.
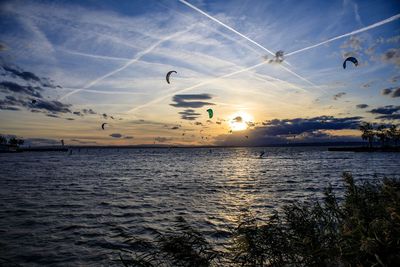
(80, 210)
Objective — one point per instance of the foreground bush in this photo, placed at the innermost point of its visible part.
(361, 230)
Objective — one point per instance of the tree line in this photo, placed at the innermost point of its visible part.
(13, 141)
(387, 135)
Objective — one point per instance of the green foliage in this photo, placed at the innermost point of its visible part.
(182, 246)
(361, 230)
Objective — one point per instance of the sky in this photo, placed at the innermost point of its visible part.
(67, 67)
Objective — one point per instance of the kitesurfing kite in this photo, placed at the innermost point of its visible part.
(210, 113)
(169, 74)
(351, 59)
(102, 126)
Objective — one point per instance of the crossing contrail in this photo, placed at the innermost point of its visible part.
(242, 35)
(226, 26)
(196, 86)
(130, 62)
(377, 24)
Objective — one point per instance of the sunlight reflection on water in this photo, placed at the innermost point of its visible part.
(57, 209)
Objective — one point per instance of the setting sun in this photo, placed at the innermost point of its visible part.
(239, 121)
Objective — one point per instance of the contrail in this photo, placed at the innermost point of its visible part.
(130, 62)
(196, 86)
(106, 92)
(377, 24)
(226, 26)
(242, 35)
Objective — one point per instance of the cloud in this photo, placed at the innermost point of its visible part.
(392, 55)
(128, 137)
(186, 101)
(396, 92)
(299, 129)
(116, 135)
(301, 125)
(361, 106)
(174, 127)
(390, 109)
(189, 114)
(393, 92)
(88, 111)
(339, 95)
(11, 87)
(53, 106)
(387, 91)
(27, 76)
(389, 117)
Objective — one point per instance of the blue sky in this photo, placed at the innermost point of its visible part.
(111, 57)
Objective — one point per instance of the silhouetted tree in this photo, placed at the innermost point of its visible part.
(394, 134)
(382, 134)
(15, 141)
(367, 132)
(3, 140)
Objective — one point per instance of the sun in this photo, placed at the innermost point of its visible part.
(239, 121)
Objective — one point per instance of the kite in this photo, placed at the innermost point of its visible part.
(169, 74)
(210, 113)
(352, 59)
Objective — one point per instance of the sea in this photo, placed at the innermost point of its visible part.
(80, 208)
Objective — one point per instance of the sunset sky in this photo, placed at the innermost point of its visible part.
(94, 62)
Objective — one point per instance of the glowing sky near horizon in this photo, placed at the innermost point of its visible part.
(112, 57)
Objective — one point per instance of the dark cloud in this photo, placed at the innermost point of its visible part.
(389, 117)
(339, 95)
(175, 127)
(116, 135)
(11, 87)
(189, 114)
(301, 125)
(387, 91)
(386, 110)
(70, 119)
(27, 76)
(128, 137)
(53, 106)
(77, 113)
(299, 130)
(186, 101)
(198, 123)
(396, 92)
(88, 111)
(393, 92)
(361, 106)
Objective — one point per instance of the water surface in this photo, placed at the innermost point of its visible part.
(77, 210)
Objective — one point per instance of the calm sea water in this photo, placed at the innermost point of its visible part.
(77, 210)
